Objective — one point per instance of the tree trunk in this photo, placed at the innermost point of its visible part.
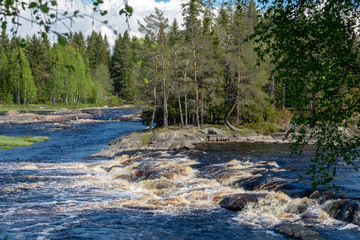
(186, 111)
(154, 111)
(283, 95)
(164, 91)
(180, 110)
(227, 117)
(202, 109)
(237, 122)
(196, 87)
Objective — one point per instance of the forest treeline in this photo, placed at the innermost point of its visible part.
(203, 71)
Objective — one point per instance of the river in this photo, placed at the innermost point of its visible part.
(53, 190)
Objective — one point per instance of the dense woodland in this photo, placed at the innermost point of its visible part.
(203, 71)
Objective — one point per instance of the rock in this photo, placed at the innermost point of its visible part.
(11, 113)
(322, 196)
(126, 142)
(63, 111)
(237, 202)
(217, 138)
(213, 131)
(13, 117)
(181, 144)
(262, 183)
(132, 117)
(344, 210)
(298, 231)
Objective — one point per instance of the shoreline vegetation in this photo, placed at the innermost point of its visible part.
(7, 142)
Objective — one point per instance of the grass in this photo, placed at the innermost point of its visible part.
(145, 138)
(14, 142)
(265, 128)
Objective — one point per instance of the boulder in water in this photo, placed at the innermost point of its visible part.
(298, 231)
(344, 210)
(237, 202)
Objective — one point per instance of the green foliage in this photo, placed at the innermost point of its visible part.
(13, 142)
(315, 49)
(266, 128)
(113, 101)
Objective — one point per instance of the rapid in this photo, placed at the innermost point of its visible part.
(53, 190)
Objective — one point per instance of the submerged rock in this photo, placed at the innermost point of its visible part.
(237, 202)
(298, 231)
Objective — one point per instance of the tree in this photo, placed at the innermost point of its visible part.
(155, 27)
(4, 42)
(191, 13)
(20, 77)
(315, 49)
(37, 51)
(97, 50)
(4, 75)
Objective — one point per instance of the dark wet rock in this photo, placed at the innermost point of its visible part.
(322, 196)
(263, 183)
(294, 230)
(298, 209)
(344, 210)
(237, 202)
(310, 216)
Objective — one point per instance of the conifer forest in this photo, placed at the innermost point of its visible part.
(202, 71)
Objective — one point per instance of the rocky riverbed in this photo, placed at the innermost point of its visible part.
(63, 115)
(182, 139)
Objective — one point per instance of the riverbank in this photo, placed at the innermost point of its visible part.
(184, 138)
(64, 115)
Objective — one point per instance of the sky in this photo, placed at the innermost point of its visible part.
(171, 8)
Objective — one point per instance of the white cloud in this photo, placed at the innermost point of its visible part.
(172, 9)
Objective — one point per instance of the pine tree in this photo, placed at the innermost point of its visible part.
(4, 86)
(191, 13)
(4, 43)
(116, 66)
(155, 27)
(97, 50)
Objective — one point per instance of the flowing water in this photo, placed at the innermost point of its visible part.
(52, 190)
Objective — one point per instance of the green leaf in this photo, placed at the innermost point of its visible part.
(44, 8)
(146, 80)
(129, 9)
(122, 11)
(53, 3)
(3, 25)
(103, 13)
(62, 40)
(32, 4)
(9, 3)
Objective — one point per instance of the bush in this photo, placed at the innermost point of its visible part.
(113, 101)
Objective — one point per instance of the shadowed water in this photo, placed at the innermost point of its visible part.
(51, 190)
